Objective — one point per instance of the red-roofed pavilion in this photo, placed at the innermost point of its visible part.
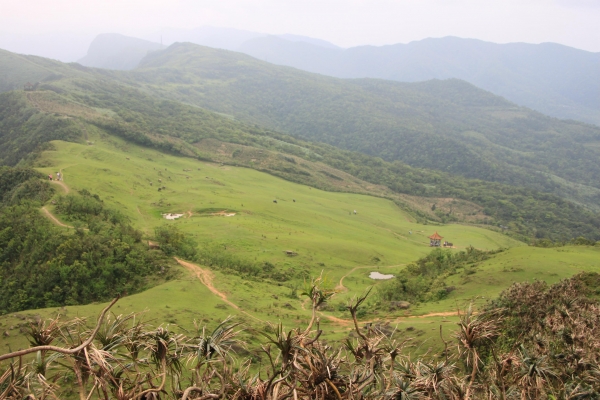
(435, 240)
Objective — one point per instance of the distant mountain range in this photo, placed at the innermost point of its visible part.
(226, 38)
(116, 51)
(556, 80)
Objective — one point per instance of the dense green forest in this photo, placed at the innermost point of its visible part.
(42, 265)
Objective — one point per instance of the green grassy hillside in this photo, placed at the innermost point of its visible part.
(85, 106)
(319, 226)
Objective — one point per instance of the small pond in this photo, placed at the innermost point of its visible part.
(380, 276)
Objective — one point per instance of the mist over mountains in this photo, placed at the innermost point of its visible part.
(120, 52)
(63, 46)
(115, 51)
(226, 38)
(554, 79)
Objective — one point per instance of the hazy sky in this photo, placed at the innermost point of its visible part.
(342, 22)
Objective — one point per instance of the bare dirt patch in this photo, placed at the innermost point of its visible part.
(223, 214)
(171, 216)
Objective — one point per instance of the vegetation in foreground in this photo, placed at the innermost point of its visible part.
(533, 342)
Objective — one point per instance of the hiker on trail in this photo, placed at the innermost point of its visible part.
(50, 176)
(354, 212)
(58, 176)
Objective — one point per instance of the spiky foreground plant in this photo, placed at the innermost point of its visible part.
(534, 342)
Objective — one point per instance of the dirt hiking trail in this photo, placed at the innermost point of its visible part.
(62, 185)
(206, 277)
(437, 314)
(54, 219)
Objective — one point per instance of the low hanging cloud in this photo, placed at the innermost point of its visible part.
(345, 23)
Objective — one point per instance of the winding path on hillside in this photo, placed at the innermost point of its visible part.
(437, 314)
(62, 185)
(54, 219)
(207, 277)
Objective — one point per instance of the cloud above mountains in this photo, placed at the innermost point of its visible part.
(345, 23)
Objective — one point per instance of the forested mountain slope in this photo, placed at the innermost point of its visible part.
(554, 79)
(16, 70)
(82, 100)
(446, 125)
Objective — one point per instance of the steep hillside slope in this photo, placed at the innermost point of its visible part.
(17, 70)
(447, 125)
(557, 80)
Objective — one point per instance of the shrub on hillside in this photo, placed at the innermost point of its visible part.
(424, 280)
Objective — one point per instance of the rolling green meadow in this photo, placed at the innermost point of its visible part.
(320, 227)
